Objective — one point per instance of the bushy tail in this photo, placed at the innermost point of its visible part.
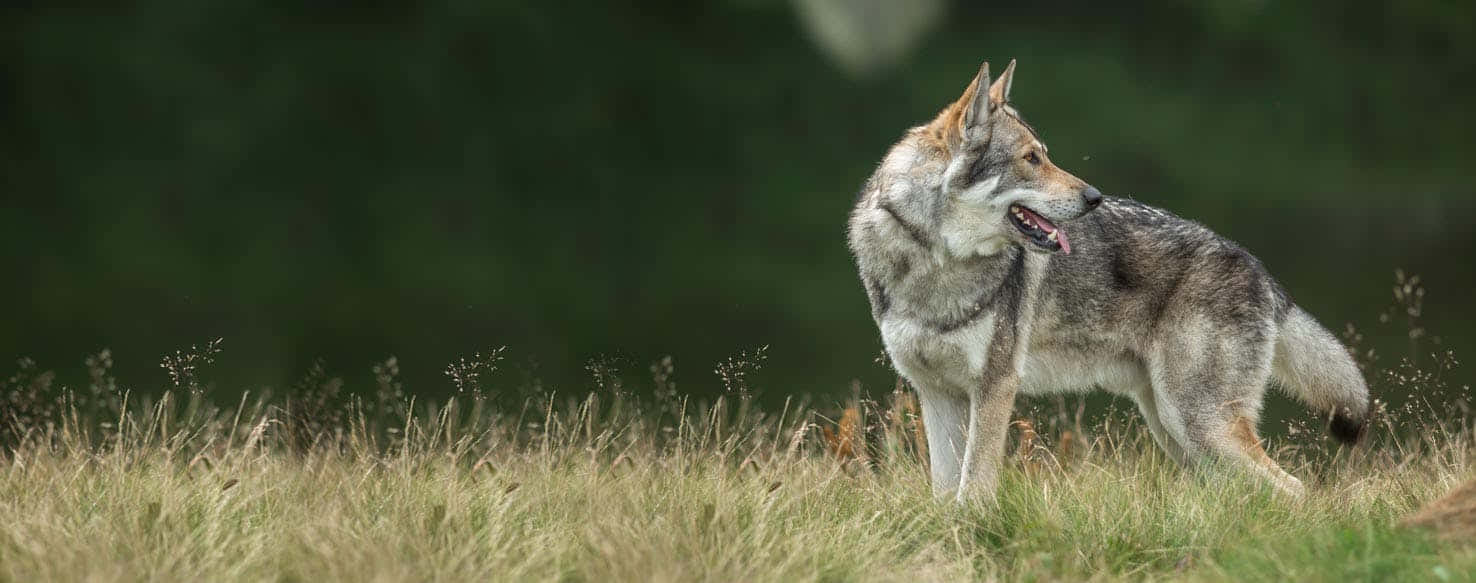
(1313, 366)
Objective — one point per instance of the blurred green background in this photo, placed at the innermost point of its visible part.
(632, 180)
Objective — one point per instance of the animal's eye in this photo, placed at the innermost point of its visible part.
(1032, 158)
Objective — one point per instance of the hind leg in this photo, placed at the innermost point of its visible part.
(1208, 388)
(1148, 405)
(1130, 379)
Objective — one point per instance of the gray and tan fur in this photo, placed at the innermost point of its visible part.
(993, 272)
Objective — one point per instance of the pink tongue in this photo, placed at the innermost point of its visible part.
(1043, 223)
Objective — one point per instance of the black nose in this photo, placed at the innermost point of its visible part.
(1092, 196)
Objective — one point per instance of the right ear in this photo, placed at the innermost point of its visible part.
(978, 109)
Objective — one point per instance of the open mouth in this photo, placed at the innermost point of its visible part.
(1038, 230)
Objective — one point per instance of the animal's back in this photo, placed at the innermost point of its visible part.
(1133, 265)
(1142, 281)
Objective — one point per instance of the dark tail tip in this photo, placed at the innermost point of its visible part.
(1346, 428)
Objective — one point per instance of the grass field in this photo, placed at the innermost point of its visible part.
(605, 489)
(642, 484)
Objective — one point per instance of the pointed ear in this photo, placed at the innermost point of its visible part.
(977, 109)
(999, 92)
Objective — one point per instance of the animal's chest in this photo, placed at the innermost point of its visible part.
(956, 358)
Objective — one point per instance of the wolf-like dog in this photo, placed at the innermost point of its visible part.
(991, 272)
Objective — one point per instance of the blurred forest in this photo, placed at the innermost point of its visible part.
(622, 181)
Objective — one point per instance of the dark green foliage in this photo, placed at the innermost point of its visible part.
(414, 179)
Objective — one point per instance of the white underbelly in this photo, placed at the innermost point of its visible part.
(1058, 371)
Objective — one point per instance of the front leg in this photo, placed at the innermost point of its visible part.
(990, 405)
(945, 414)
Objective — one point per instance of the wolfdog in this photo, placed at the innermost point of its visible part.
(961, 240)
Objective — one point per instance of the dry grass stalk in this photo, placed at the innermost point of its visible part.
(904, 429)
(1452, 516)
(1027, 453)
(846, 440)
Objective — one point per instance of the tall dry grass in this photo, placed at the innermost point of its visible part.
(642, 483)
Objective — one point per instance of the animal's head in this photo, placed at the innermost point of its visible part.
(999, 184)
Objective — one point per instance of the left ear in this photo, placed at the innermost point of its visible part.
(999, 92)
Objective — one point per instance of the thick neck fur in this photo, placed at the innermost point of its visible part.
(895, 233)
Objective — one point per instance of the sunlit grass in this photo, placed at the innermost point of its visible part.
(604, 489)
(641, 483)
